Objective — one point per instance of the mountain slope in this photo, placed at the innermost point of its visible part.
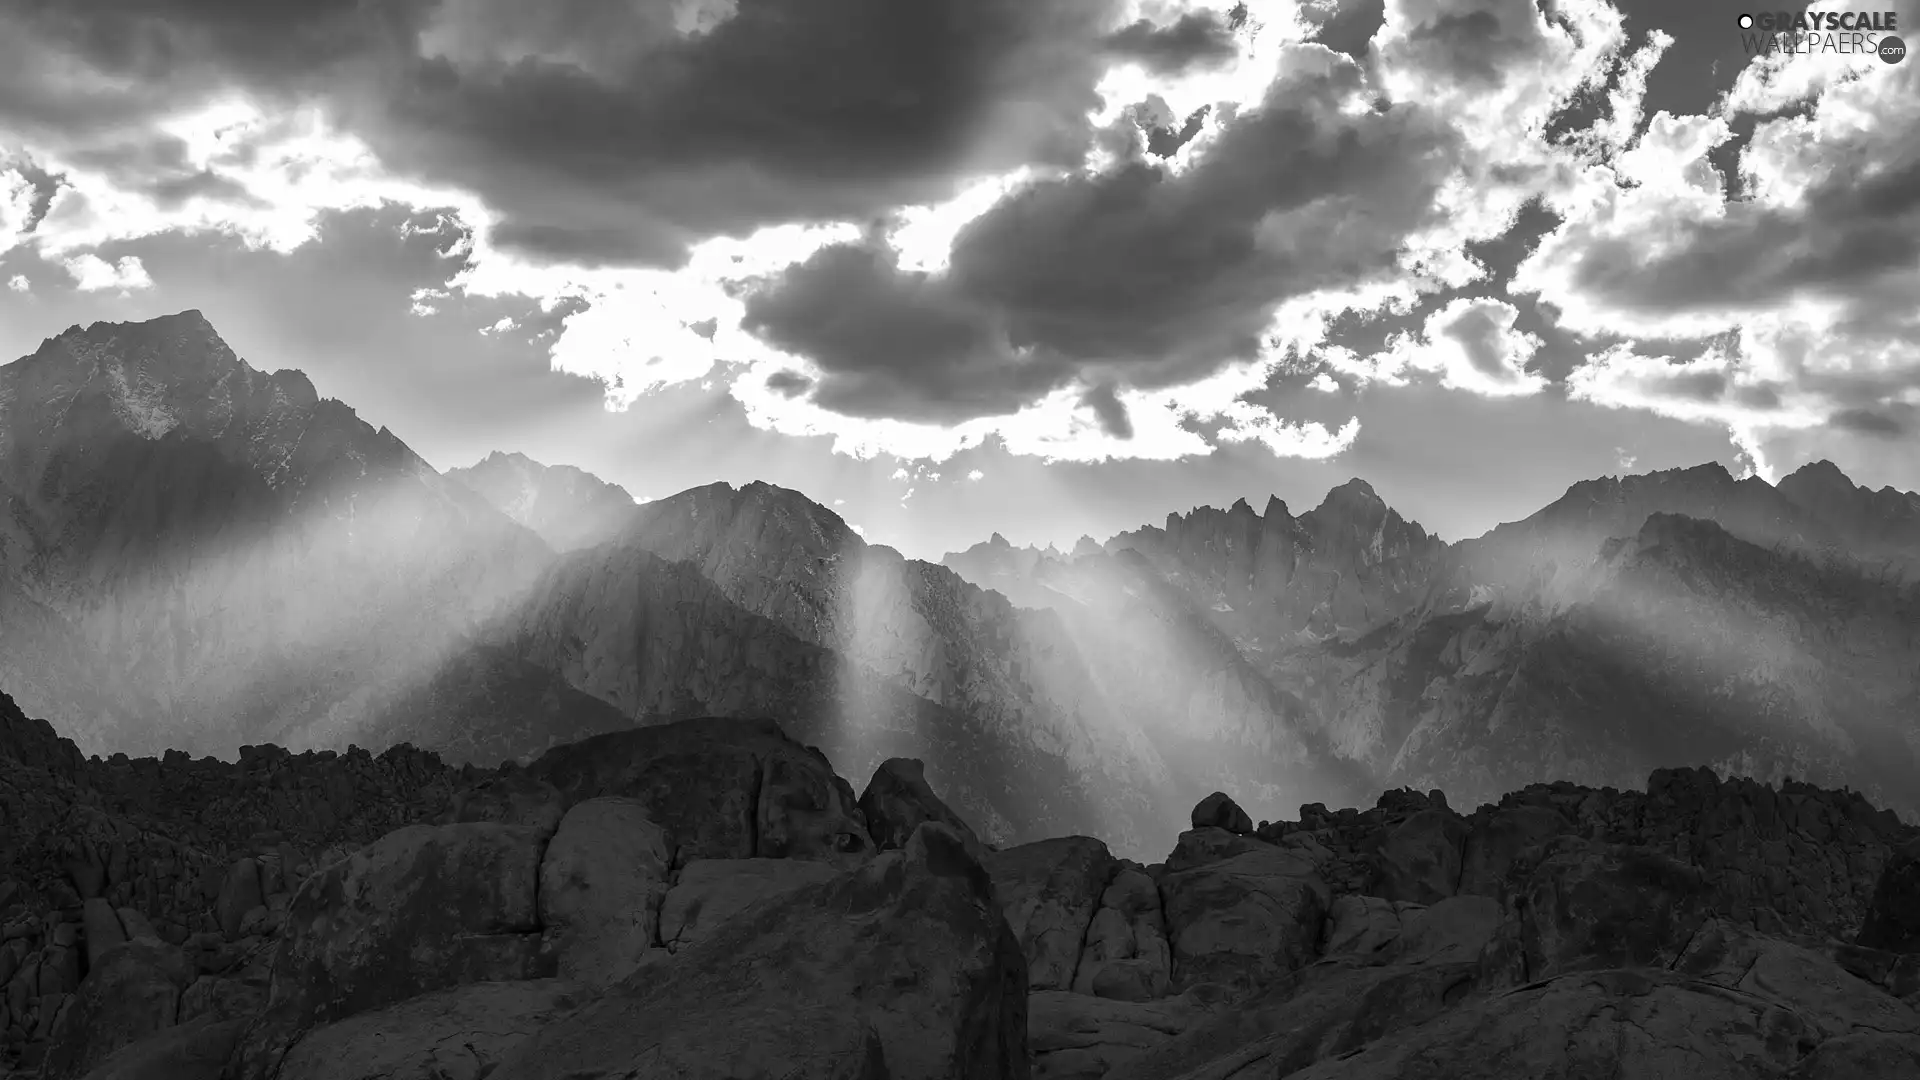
(1672, 619)
(258, 560)
(569, 508)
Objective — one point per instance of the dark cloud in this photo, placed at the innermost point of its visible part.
(788, 383)
(1349, 25)
(1872, 422)
(1137, 276)
(1110, 411)
(1481, 336)
(598, 129)
(1195, 39)
(1850, 231)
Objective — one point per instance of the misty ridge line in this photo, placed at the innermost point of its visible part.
(216, 557)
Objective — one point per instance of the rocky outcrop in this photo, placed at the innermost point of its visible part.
(569, 508)
(686, 900)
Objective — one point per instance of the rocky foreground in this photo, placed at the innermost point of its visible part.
(708, 899)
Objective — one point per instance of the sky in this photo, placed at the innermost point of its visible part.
(1041, 267)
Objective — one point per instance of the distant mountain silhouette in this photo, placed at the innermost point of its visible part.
(196, 554)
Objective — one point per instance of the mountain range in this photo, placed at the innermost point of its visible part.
(199, 555)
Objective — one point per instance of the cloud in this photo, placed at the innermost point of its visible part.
(1196, 37)
(91, 273)
(19, 283)
(1137, 276)
(1474, 346)
(976, 475)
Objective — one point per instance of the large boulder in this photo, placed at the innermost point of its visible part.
(458, 1032)
(601, 882)
(133, 992)
(1639, 1023)
(1586, 906)
(898, 800)
(1126, 956)
(1495, 841)
(903, 969)
(1420, 861)
(421, 909)
(1243, 920)
(1219, 811)
(192, 1051)
(721, 788)
(1049, 890)
(712, 892)
(1076, 1037)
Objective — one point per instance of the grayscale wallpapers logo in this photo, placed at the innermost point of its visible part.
(1809, 33)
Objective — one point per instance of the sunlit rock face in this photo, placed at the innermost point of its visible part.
(1671, 619)
(569, 508)
(236, 558)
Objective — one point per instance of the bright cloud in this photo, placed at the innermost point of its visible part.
(91, 273)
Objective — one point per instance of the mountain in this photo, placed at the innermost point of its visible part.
(569, 508)
(217, 555)
(1635, 623)
(758, 601)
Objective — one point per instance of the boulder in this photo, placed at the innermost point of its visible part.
(1362, 925)
(1319, 1011)
(133, 992)
(1049, 890)
(711, 892)
(1218, 811)
(1420, 861)
(239, 894)
(1126, 956)
(189, 1051)
(898, 799)
(515, 798)
(1076, 1037)
(421, 909)
(1244, 920)
(1812, 984)
(721, 788)
(903, 968)
(601, 882)
(101, 929)
(1638, 1023)
(1605, 906)
(1494, 841)
(1893, 915)
(1198, 847)
(458, 1032)
(1867, 1055)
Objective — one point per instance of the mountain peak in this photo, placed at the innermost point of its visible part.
(1823, 473)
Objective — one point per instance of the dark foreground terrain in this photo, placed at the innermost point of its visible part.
(708, 899)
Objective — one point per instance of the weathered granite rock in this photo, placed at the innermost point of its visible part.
(1420, 862)
(1593, 906)
(1640, 1022)
(1243, 920)
(722, 789)
(898, 799)
(459, 1032)
(903, 968)
(513, 798)
(1219, 811)
(422, 909)
(1126, 956)
(1077, 1037)
(712, 892)
(188, 1051)
(132, 993)
(1493, 844)
(1363, 925)
(1049, 891)
(602, 878)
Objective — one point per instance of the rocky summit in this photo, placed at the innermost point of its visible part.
(709, 898)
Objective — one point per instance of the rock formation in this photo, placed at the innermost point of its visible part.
(709, 898)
